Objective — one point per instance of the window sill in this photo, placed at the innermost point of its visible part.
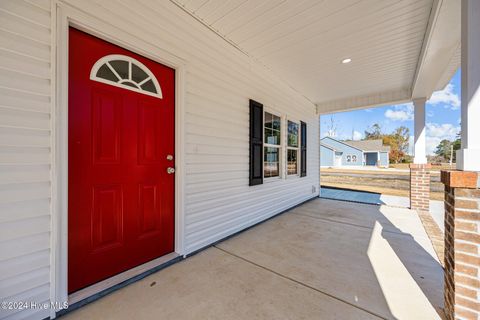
(272, 179)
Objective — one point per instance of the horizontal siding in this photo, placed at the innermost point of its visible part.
(25, 155)
(327, 156)
(219, 82)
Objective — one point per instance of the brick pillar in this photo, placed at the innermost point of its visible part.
(420, 186)
(462, 243)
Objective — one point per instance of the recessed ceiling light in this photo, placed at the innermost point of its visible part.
(347, 60)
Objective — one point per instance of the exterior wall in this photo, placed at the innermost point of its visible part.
(347, 151)
(220, 80)
(25, 154)
(327, 157)
(462, 248)
(384, 160)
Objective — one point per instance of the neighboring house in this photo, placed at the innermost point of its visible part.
(335, 153)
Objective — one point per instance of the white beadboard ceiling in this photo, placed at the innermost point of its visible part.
(304, 42)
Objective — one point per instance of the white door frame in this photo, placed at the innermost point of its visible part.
(64, 16)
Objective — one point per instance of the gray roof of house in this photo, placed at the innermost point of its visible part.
(368, 145)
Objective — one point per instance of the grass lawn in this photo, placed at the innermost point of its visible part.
(395, 183)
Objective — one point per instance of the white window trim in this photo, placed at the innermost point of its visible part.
(297, 122)
(280, 147)
(106, 60)
(283, 147)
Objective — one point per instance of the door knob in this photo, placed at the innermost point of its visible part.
(170, 170)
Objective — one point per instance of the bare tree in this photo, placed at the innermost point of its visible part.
(332, 127)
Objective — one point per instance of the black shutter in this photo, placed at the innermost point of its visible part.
(303, 149)
(256, 143)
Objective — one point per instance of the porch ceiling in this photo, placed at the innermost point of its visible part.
(392, 43)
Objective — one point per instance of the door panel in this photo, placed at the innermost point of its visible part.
(120, 197)
(107, 217)
(148, 211)
(106, 126)
(150, 133)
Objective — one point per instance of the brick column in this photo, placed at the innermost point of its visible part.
(462, 243)
(420, 186)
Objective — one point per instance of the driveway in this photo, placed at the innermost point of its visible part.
(326, 259)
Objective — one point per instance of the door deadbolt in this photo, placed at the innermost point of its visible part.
(170, 170)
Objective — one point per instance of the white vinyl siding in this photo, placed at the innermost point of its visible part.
(219, 82)
(25, 158)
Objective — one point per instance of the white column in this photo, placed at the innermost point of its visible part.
(419, 131)
(468, 157)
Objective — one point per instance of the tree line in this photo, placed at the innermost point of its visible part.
(398, 141)
(446, 150)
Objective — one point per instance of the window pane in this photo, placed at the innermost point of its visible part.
(138, 75)
(292, 134)
(104, 72)
(276, 122)
(271, 154)
(121, 67)
(268, 120)
(271, 163)
(272, 129)
(272, 136)
(149, 86)
(268, 133)
(292, 161)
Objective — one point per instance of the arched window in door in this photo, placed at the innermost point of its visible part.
(126, 72)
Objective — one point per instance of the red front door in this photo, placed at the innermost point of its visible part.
(120, 144)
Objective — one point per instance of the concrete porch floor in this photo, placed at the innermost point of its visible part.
(326, 259)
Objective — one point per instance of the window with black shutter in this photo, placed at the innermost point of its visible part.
(303, 149)
(256, 143)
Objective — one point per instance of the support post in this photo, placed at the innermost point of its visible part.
(468, 157)
(419, 170)
(462, 186)
(420, 187)
(419, 131)
(462, 244)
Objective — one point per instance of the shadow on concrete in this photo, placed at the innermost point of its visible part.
(418, 262)
(375, 258)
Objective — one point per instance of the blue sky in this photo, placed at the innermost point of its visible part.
(442, 119)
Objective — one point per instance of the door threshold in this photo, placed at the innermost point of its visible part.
(120, 280)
